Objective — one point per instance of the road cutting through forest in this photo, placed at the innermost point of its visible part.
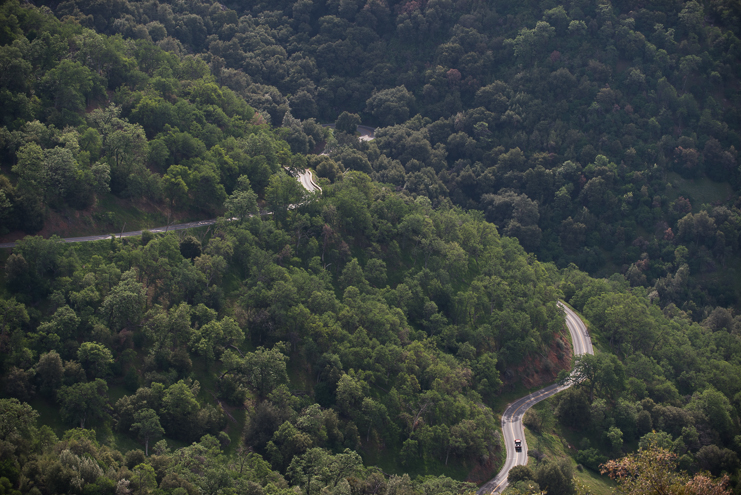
(512, 427)
(512, 417)
(305, 178)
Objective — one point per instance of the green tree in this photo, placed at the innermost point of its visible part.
(602, 373)
(13, 316)
(350, 394)
(30, 169)
(70, 84)
(17, 423)
(174, 186)
(124, 305)
(213, 338)
(144, 478)
(49, 373)
(62, 326)
(391, 106)
(556, 477)
(615, 436)
(265, 369)
(375, 414)
(242, 203)
(520, 473)
(212, 267)
(287, 443)
(59, 175)
(95, 358)
(284, 192)
(179, 411)
(347, 122)
(317, 470)
(84, 402)
(716, 407)
(531, 41)
(147, 427)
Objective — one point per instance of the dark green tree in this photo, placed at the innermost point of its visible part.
(84, 403)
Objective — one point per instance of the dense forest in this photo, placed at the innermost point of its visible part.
(595, 133)
(332, 343)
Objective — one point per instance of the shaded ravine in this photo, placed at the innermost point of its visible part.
(512, 417)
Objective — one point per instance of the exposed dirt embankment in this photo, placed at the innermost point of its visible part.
(536, 371)
(542, 369)
(484, 472)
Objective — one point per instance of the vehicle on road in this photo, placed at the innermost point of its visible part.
(518, 445)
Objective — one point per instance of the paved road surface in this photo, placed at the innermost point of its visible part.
(512, 417)
(180, 226)
(305, 178)
(367, 133)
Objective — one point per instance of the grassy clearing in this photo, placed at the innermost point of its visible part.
(49, 415)
(390, 463)
(116, 392)
(608, 267)
(234, 430)
(205, 373)
(4, 292)
(700, 191)
(298, 375)
(555, 443)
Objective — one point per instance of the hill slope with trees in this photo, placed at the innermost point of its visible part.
(595, 133)
(379, 322)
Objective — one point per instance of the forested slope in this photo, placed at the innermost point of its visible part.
(385, 316)
(86, 115)
(586, 130)
(391, 348)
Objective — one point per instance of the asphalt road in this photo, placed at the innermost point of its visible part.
(512, 417)
(305, 179)
(366, 133)
(180, 226)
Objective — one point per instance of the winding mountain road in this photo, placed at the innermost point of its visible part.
(512, 417)
(305, 178)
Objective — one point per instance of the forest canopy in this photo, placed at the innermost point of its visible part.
(316, 343)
